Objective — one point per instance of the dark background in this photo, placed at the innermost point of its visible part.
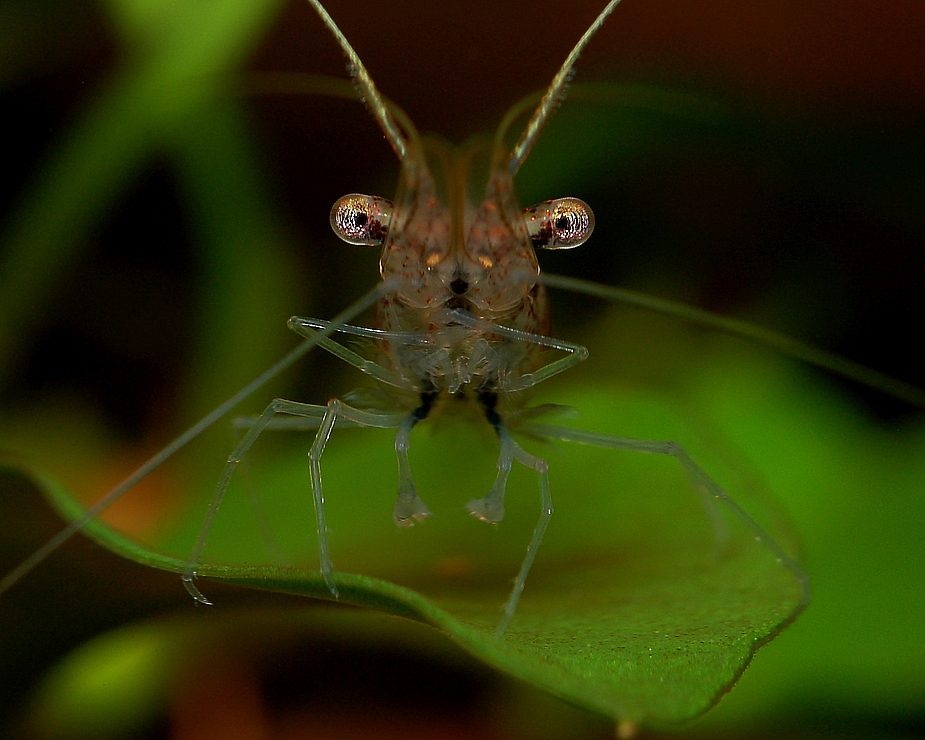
(130, 303)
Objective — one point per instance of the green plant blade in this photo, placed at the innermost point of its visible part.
(634, 609)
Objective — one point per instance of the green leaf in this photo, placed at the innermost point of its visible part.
(634, 609)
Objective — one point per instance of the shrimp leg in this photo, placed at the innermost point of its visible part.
(328, 416)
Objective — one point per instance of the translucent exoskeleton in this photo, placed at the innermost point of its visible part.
(461, 313)
(482, 346)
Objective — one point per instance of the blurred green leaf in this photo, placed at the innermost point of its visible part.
(633, 610)
(170, 80)
(106, 687)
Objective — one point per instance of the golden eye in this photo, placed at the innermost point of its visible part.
(563, 223)
(362, 219)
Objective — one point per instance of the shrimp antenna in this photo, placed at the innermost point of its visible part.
(554, 95)
(366, 87)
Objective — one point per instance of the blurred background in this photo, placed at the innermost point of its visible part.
(161, 222)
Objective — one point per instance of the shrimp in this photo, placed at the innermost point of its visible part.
(461, 314)
(461, 319)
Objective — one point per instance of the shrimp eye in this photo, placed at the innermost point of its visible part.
(361, 219)
(559, 224)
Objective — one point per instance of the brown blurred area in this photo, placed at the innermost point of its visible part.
(448, 70)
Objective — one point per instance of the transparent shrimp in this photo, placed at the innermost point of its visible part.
(461, 311)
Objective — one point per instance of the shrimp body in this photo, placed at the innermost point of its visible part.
(460, 313)
(448, 256)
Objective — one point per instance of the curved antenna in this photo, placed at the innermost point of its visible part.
(303, 83)
(793, 348)
(554, 95)
(367, 88)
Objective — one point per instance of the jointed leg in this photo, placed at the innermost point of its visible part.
(277, 406)
(337, 409)
(328, 416)
(312, 327)
(575, 353)
(510, 447)
(491, 508)
(409, 507)
(702, 482)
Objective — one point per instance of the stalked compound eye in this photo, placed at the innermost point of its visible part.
(362, 219)
(559, 224)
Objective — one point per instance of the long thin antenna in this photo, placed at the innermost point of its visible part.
(11, 578)
(554, 95)
(787, 346)
(366, 86)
